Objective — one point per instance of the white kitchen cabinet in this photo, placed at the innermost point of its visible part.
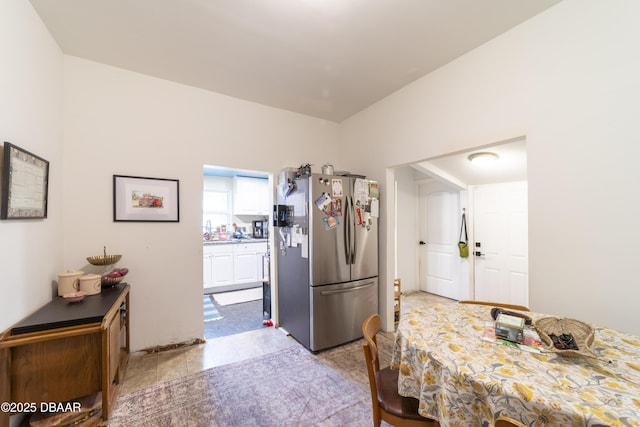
(247, 262)
(217, 265)
(250, 196)
(229, 264)
(244, 267)
(222, 272)
(206, 270)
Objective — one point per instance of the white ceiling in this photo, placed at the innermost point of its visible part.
(456, 170)
(324, 58)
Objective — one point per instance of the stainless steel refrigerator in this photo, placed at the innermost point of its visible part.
(327, 260)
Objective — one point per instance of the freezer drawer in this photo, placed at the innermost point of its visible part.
(337, 312)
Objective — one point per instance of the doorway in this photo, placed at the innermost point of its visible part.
(451, 176)
(236, 274)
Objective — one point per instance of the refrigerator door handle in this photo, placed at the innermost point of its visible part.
(342, 291)
(352, 226)
(347, 232)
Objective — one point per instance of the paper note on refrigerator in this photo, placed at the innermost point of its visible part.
(375, 208)
(305, 246)
(299, 203)
(373, 190)
(296, 236)
(336, 187)
(361, 192)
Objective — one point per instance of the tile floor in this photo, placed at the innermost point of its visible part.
(145, 370)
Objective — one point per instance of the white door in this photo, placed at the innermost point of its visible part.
(439, 266)
(501, 245)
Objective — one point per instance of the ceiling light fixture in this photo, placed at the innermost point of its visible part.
(483, 159)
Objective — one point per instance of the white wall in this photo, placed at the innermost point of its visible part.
(31, 118)
(119, 122)
(406, 229)
(567, 79)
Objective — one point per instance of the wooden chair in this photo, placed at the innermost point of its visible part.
(504, 421)
(496, 304)
(387, 404)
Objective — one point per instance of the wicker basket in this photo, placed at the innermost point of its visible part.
(583, 335)
(104, 259)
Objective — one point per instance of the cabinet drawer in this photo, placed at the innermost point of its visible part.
(217, 249)
(248, 247)
(260, 248)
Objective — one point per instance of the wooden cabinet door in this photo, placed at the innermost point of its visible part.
(115, 340)
(57, 370)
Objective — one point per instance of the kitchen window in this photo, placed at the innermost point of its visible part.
(216, 207)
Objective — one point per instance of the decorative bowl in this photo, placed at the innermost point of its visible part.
(104, 259)
(74, 296)
(110, 281)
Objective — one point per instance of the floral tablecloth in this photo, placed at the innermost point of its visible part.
(463, 380)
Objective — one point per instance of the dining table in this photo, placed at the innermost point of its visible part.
(462, 377)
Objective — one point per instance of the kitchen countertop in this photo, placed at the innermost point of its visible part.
(232, 241)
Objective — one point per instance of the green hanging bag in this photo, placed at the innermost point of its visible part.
(463, 245)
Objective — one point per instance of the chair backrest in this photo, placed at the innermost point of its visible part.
(370, 328)
(497, 304)
(408, 411)
(504, 421)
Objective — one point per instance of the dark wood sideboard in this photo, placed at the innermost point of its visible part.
(65, 351)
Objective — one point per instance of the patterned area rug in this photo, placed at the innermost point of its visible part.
(291, 387)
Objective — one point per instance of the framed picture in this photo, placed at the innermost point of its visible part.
(25, 184)
(145, 199)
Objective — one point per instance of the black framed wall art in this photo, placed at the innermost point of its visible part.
(145, 199)
(25, 184)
